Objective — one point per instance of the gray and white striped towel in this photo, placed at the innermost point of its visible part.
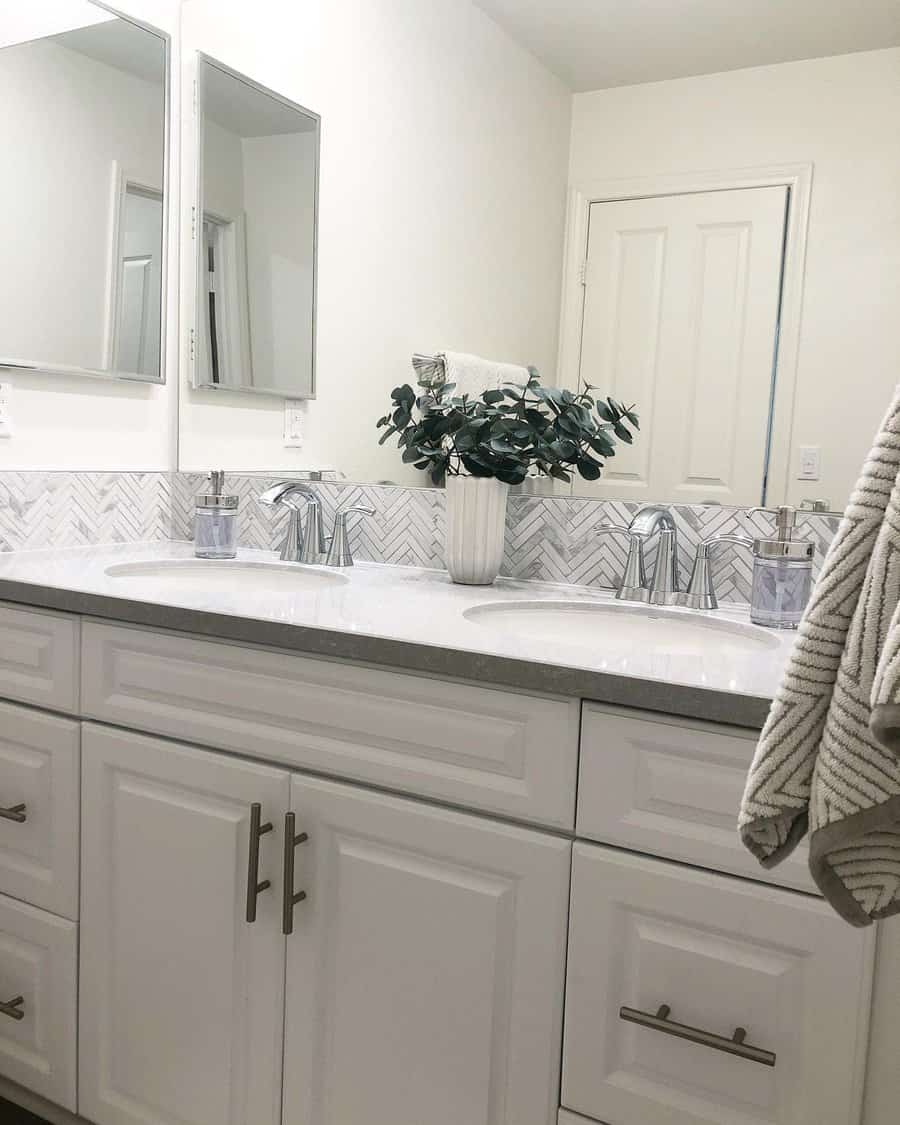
(821, 764)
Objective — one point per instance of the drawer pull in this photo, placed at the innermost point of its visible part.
(733, 1046)
(15, 1009)
(16, 813)
(291, 840)
(254, 886)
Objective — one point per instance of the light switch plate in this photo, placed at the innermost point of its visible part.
(294, 418)
(6, 426)
(810, 462)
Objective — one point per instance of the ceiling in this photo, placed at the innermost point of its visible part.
(594, 44)
(248, 110)
(121, 44)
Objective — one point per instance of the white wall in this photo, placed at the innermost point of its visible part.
(279, 200)
(73, 422)
(841, 114)
(444, 153)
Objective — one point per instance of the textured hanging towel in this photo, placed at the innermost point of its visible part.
(471, 374)
(820, 764)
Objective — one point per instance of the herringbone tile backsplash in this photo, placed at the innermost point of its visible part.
(547, 539)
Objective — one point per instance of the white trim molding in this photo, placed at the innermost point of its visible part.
(798, 179)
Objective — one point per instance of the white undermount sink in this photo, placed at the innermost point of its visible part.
(233, 575)
(617, 625)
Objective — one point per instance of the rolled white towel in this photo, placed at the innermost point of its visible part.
(474, 375)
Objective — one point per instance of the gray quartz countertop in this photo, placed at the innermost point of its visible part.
(415, 620)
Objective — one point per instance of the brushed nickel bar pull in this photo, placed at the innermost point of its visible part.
(15, 1009)
(291, 898)
(254, 886)
(733, 1046)
(16, 813)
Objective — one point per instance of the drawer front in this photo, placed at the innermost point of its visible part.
(39, 658)
(38, 963)
(39, 769)
(673, 788)
(566, 1118)
(493, 750)
(722, 954)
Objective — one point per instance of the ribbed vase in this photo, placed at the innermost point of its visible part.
(476, 522)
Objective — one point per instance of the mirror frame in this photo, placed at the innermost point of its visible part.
(40, 368)
(193, 283)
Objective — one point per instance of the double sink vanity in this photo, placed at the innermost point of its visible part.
(273, 854)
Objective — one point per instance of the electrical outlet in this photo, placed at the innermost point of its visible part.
(294, 418)
(810, 462)
(6, 426)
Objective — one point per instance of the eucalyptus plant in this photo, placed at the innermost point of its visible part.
(504, 433)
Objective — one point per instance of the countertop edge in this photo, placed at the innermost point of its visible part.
(680, 700)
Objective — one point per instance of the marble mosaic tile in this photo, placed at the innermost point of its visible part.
(547, 538)
(59, 509)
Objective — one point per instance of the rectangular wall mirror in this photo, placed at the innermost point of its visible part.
(83, 123)
(255, 233)
(712, 236)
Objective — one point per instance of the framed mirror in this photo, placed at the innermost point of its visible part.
(84, 202)
(255, 230)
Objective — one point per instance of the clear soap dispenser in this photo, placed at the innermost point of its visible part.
(782, 573)
(215, 521)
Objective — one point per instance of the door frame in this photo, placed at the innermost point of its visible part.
(797, 178)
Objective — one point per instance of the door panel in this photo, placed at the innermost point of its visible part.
(181, 999)
(425, 972)
(680, 318)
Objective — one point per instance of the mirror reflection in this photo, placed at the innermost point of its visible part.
(257, 237)
(83, 110)
(708, 231)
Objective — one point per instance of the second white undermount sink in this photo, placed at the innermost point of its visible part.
(233, 575)
(617, 625)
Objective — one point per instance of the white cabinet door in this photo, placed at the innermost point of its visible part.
(39, 766)
(38, 995)
(425, 970)
(181, 999)
(721, 954)
(681, 318)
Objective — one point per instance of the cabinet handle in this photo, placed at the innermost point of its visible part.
(15, 1009)
(291, 840)
(16, 813)
(254, 886)
(733, 1046)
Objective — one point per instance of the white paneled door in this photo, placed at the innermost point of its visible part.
(681, 318)
(425, 970)
(181, 998)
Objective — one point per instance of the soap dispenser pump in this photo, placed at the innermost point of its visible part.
(215, 521)
(782, 573)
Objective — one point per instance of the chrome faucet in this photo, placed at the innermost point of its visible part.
(305, 546)
(339, 553)
(663, 587)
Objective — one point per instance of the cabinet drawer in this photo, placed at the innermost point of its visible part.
(39, 658)
(494, 750)
(39, 768)
(38, 963)
(672, 787)
(721, 953)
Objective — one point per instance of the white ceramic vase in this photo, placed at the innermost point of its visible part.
(476, 522)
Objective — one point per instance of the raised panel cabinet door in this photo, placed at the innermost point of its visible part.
(425, 969)
(181, 998)
(39, 769)
(39, 657)
(38, 997)
(714, 955)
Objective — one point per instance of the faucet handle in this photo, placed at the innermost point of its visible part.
(701, 591)
(339, 553)
(633, 584)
